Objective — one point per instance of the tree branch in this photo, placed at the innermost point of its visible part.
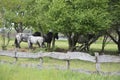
(115, 41)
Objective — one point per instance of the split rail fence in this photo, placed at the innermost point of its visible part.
(97, 59)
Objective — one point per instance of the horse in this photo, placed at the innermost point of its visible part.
(23, 37)
(35, 40)
(49, 37)
(37, 34)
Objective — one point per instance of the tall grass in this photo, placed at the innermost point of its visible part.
(9, 72)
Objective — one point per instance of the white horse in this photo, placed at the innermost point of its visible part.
(21, 37)
(35, 40)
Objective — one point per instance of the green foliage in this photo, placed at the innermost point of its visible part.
(59, 15)
(79, 15)
(14, 11)
(70, 15)
(65, 16)
(36, 12)
(114, 9)
(0, 20)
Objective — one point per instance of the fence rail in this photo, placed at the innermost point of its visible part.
(97, 59)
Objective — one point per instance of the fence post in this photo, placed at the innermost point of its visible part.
(16, 59)
(41, 61)
(97, 62)
(68, 64)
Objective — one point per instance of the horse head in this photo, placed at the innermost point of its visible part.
(56, 36)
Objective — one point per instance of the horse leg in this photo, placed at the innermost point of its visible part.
(43, 45)
(48, 46)
(31, 46)
(19, 44)
(16, 43)
(39, 44)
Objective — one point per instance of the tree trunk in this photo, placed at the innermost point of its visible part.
(72, 40)
(103, 44)
(5, 41)
(118, 43)
(19, 27)
(69, 42)
(53, 43)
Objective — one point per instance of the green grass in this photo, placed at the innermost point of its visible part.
(14, 72)
(108, 47)
(10, 72)
(62, 46)
(110, 67)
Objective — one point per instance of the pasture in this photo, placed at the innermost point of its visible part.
(62, 46)
(10, 72)
(19, 73)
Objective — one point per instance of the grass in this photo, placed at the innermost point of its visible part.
(110, 67)
(9, 72)
(18, 73)
(62, 46)
(108, 47)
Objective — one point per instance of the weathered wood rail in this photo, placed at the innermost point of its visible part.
(97, 59)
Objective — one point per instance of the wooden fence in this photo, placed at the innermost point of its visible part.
(97, 59)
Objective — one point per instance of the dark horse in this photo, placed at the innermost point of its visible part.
(37, 34)
(49, 37)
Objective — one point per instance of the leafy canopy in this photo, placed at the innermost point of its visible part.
(79, 15)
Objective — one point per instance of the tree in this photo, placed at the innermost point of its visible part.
(37, 15)
(15, 12)
(74, 17)
(12, 12)
(5, 32)
(114, 9)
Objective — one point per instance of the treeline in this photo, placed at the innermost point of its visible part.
(82, 21)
